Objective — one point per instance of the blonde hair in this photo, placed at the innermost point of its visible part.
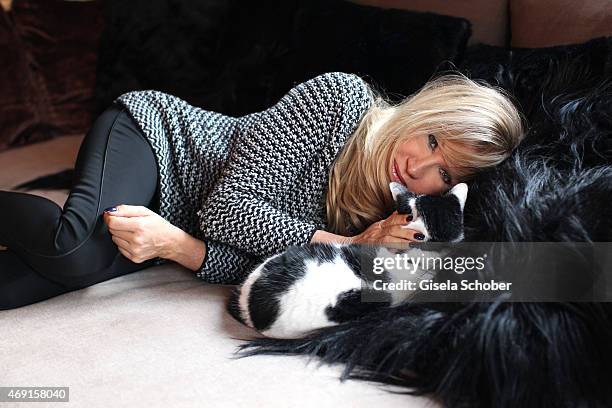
(480, 123)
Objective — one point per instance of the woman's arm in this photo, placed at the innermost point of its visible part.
(329, 238)
(190, 252)
(300, 134)
(186, 250)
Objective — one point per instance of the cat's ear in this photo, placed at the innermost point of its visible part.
(460, 191)
(397, 189)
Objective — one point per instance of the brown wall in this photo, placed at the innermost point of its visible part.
(544, 23)
(6, 4)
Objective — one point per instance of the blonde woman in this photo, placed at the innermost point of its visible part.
(159, 180)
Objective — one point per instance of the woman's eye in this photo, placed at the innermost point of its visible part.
(433, 143)
(445, 176)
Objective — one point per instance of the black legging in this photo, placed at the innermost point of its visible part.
(53, 251)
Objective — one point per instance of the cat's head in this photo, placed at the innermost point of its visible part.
(439, 218)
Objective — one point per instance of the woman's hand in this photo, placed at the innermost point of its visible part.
(390, 230)
(140, 233)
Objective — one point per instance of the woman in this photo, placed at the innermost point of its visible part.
(218, 194)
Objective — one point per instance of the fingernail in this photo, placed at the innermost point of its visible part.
(110, 209)
(409, 218)
(419, 236)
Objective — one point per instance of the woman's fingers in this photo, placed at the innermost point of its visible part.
(126, 235)
(390, 230)
(399, 231)
(124, 247)
(397, 219)
(120, 242)
(119, 223)
(127, 254)
(389, 239)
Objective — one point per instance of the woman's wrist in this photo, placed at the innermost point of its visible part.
(185, 249)
(321, 236)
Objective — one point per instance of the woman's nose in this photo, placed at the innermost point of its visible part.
(417, 166)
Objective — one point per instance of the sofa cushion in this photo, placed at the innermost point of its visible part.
(62, 40)
(167, 45)
(546, 23)
(395, 50)
(51, 49)
(240, 57)
(18, 113)
(489, 18)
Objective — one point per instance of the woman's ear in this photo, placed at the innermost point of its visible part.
(460, 191)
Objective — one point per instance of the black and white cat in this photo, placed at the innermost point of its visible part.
(318, 285)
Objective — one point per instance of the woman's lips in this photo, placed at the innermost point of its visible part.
(397, 174)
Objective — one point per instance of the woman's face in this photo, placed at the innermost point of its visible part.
(420, 166)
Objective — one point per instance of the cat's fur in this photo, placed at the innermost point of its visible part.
(320, 285)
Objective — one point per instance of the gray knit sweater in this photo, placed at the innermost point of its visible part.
(249, 186)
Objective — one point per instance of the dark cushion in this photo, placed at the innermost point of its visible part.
(51, 49)
(397, 50)
(168, 45)
(17, 114)
(490, 22)
(554, 185)
(241, 57)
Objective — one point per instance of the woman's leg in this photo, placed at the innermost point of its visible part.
(53, 251)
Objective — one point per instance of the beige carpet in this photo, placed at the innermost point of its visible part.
(155, 338)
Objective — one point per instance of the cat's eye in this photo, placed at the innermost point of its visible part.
(433, 143)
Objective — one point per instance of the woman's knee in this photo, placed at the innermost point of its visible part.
(131, 169)
(115, 166)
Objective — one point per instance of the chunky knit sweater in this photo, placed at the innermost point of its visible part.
(249, 186)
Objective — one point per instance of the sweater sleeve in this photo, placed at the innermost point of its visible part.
(242, 210)
(224, 264)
